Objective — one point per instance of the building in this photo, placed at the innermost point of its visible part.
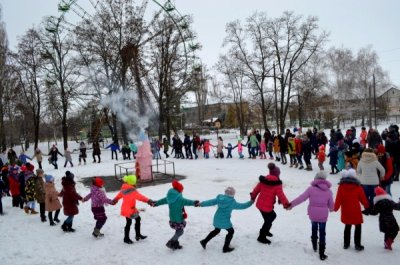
(392, 100)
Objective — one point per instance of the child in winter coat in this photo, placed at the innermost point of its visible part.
(82, 153)
(40, 195)
(270, 145)
(129, 196)
(333, 158)
(29, 189)
(229, 148)
(320, 199)
(52, 203)
(70, 201)
(321, 157)
(99, 198)
(298, 143)
(23, 158)
(263, 149)
(341, 159)
(349, 196)
(387, 162)
(177, 215)
(292, 152)
(206, 147)
(276, 148)
(384, 206)
(222, 218)
(13, 179)
(240, 148)
(39, 157)
(265, 192)
(68, 157)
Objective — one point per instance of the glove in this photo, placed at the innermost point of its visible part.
(196, 203)
(151, 203)
(114, 202)
(287, 206)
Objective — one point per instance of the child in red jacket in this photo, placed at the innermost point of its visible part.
(321, 157)
(267, 190)
(349, 196)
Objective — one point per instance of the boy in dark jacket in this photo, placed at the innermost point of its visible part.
(70, 201)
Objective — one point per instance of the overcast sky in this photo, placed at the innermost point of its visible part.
(351, 23)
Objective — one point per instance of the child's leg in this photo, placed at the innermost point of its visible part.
(56, 216)
(1, 204)
(322, 233)
(177, 235)
(228, 240)
(72, 165)
(127, 230)
(314, 235)
(357, 238)
(42, 212)
(50, 215)
(210, 236)
(347, 233)
(137, 229)
(99, 214)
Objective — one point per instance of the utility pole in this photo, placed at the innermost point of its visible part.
(276, 103)
(374, 84)
(370, 108)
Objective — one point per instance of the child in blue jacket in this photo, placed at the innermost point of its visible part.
(222, 218)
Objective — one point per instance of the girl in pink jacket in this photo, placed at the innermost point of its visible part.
(266, 192)
(263, 149)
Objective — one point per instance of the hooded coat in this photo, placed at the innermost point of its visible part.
(175, 202)
(226, 204)
(368, 169)
(320, 200)
(52, 203)
(130, 195)
(266, 192)
(70, 197)
(98, 197)
(349, 196)
(384, 206)
(40, 195)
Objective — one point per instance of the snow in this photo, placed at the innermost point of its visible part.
(25, 240)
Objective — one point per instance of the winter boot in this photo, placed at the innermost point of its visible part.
(388, 243)
(210, 236)
(52, 223)
(70, 229)
(33, 211)
(301, 166)
(226, 247)
(309, 167)
(97, 233)
(137, 231)
(262, 238)
(314, 242)
(346, 237)
(64, 227)
(176, 245)
(26, 209)
(127, 240)
(322, 255)
(357, 238)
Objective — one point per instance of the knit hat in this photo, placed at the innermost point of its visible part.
(230, 191)
(39, 171)
(49, 178)
(98, 182)
(30, 167)
(69, 175)
(322, 147)
(177, 186)
(23, 168)
(321, 175)
(379, 191)
(380, 149)
(130, 179)
(274, 170)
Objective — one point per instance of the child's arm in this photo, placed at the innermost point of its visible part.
(142, 198)
(87, 197)
(242, 206)
(301, 198)
(338, 200)
(208, 203)
(255, 192)
(117, 197)
(161, 201)
(187, 202)
(396, 206)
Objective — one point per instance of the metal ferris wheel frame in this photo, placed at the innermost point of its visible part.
(65, 6)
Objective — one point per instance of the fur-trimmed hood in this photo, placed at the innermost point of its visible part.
(368, 157)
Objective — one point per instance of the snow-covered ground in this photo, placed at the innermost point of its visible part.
(24, 239)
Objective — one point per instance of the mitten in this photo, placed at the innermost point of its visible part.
(151, 203)
(287, 206)
(197, 203)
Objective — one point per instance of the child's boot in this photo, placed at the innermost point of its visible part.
(64, 227)
(322, 255)
(26, 209)
(226, 247)
(388, 243)
(33, 211)
(97, 233)
(127, 240)
(314, 241)
(262, 238)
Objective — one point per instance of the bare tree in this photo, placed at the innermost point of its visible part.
(294, 41)
(3, 79)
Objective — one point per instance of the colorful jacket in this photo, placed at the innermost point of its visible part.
(266, 192)
(114, 147)
(298, 146)
(24, 158)
(129, 196)
(14, 185)
(253, 141)
(226, 204)
(176, 202)
(320, 200)
(263, 147)
(349, 196)
(291, 146)
(70, 197)
(98, 197)
(276, 145)
(30, 189)
(52, 203)
(368, 169)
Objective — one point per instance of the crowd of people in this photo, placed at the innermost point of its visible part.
(367, 167)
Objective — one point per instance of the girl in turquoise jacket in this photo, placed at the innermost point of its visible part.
(177, 214)
(222, 218)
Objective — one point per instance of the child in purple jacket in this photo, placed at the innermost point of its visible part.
(320, 203)
(99, 198)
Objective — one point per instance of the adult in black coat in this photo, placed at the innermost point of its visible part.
(54, 156)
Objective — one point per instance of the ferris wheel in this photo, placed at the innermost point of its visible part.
(188, 41)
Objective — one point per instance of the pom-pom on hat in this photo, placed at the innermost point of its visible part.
(23, 168)
(49, 178)
(69, 175)
(379, 191)
(274, 170)
(130, 179)
(177, 186)
(321, 175)
(230, 191)
(98, 182)
(30, 167)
